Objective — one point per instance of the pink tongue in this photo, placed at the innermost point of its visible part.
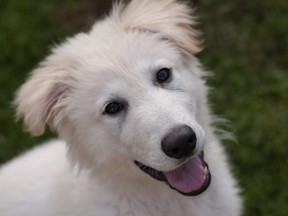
(189, 177)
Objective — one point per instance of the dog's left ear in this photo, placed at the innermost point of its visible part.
(171, 18)
(43, 98)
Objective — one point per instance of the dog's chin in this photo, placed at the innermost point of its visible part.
(191, 178)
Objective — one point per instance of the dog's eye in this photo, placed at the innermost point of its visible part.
(113, 108)
(163, 75)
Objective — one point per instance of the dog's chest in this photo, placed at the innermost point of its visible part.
(147, 206)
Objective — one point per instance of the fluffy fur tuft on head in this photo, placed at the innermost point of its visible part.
(170, 18)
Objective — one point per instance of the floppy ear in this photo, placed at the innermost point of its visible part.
(171, 18)
(43, 97)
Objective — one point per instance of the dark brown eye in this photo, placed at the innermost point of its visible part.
(113, 108)
(163, 75)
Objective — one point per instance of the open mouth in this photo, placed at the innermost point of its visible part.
(191, 178)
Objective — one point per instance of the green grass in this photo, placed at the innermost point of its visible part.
(246, 48)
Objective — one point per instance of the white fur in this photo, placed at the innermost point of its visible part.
(117, 59)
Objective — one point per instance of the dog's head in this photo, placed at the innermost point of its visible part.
(128, 92)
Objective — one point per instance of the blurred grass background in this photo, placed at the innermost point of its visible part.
(246, 47)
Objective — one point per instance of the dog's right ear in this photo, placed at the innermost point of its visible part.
(42, 99)
(172, 19)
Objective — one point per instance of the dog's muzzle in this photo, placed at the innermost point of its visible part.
(193, 176)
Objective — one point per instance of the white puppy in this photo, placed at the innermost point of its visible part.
(129, 101)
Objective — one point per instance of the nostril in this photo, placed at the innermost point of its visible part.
(192, 141)
(177, 152)
(179, 143)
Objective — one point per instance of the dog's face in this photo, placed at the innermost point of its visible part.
(126, 93)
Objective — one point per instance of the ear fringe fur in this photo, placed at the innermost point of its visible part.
(39, 98)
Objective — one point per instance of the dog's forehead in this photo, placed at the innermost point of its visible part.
(130, 49)
(123, 55)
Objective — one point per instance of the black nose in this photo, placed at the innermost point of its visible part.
(179, 143)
